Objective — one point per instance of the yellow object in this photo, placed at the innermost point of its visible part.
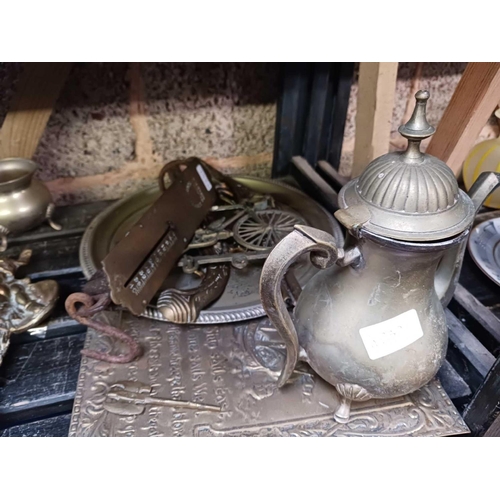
(484, 157)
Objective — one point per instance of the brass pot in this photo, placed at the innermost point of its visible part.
(373, 325)
(24, 201)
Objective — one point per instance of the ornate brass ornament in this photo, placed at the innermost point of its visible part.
(137, 266)
(372, 322)
(235, 367)
(131, 398)
(23, 304)
(184, 306)
(25, 201)
(239, 299)
(410, 196)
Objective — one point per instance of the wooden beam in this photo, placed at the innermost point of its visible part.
(314, 185)
(332, 173)
(31, 108)
(483, 407)
(376, 91)
(494, 430)
(478, 311)
(469, 346)
(475, 98)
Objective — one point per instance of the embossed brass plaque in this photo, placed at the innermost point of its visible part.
(236, 367)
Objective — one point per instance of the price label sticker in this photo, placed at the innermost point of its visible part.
(204, 177)
(391, 335)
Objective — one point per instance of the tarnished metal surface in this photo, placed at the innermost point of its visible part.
(411, 196)
(184, 306)
(23, 304)
(386, 285)
(240, 299)
(141, 260)
(375, 326)
(236, 367)
(25, 201)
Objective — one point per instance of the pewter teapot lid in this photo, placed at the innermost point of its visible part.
(407, 195)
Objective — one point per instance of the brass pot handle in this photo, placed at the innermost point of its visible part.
(448, 272)
(449, 268)
(324, 253)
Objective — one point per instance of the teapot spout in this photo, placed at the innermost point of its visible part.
(485, 184)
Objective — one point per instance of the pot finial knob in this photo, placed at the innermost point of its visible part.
(417, 128)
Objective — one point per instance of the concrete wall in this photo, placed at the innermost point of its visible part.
(116, 124)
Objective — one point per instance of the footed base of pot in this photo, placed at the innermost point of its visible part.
(349, 393)
(344, 411)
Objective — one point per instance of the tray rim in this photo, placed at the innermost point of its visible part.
(205, 316)
(472, 251)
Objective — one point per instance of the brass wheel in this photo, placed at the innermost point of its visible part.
(264, 229)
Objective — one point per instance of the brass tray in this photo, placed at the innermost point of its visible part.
(240, 300)
(236, 366)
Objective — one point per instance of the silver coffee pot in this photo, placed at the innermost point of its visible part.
(372, 323)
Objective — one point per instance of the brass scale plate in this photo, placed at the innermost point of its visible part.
(236, 367)
(240, 300)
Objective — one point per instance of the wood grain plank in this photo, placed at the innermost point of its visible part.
(494, 429)
(50, 258)
(50, 427)
(55, 253)
(31, 108)
(478, 284)
(74, 220)
(469, 346)
(376, 91)
(345, 73)
(314, 185)
(472, 103)
(453, 384)
(40, 373)
(478, 311)
(483, 407)
(332, 174)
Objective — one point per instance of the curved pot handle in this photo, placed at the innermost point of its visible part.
(324, 253)
(449, 269)
(448, 273)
